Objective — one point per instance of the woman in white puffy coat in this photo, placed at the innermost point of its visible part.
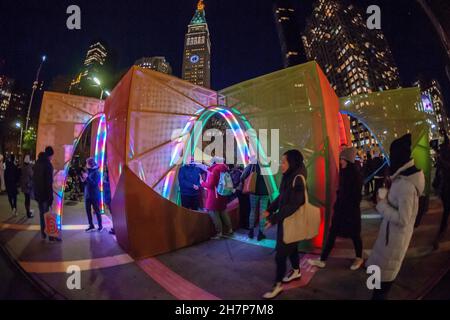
(399, 210)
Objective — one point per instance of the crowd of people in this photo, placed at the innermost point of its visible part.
(397, 197)
(35, 180)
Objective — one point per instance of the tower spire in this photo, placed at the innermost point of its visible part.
(200, 5)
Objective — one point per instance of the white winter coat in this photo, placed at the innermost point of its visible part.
(399, 213)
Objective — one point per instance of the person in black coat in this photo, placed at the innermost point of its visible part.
(92, 194)
(11, 182)
(291, 198)
(43, 186)
(346, 221)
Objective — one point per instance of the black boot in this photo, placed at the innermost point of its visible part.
(261, 236)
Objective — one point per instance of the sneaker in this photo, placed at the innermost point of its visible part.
(229, 234)
(276, 290)
(357, 264)
(261, 236)
(317, 263)
(292, 275)
(217, 237)
(100, 229)
(90, 229)
(54, 239)
(251, 234)
(112, 231)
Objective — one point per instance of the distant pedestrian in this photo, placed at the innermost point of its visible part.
(442, 185)
(346, 221)
(11, 182)
(291, 198)
(399, 210)
(2, 174)
(26, 184)
(91, 178)
(259, 199)
(43, 187)
(216, 204)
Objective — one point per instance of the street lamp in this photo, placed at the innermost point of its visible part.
(19, 126)
(35, 85)
(98, 82)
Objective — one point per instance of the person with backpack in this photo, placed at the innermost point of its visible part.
(216, 200)
(26, 183)
(259, 198)
(291, 198)
(399, 209)
(346, 221)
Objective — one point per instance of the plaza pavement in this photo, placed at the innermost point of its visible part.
(234, 269)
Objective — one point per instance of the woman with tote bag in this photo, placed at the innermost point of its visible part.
(291, 198)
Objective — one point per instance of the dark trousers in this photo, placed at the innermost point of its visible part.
(27, 204)
(244, 209)
(357, 243)
(12, 198)
(89, 204)
(281, 264)
(378, 185)
(381, 294)
(190, 202)
(44, 207)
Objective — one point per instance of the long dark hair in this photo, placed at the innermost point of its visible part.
(295, 160)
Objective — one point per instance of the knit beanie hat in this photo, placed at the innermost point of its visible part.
(400, 152)
(348, 154)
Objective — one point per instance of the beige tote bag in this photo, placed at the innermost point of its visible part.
(304, 223)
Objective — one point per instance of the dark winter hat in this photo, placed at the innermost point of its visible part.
(91, 164)
(400, 152)
(49, 151)
(348, 154)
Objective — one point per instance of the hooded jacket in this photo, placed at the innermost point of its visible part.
(399, 213)
(214, 201)
(43, 179)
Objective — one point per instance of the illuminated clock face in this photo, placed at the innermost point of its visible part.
(195, 58)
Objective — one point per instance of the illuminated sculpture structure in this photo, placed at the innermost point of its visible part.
(146, 107)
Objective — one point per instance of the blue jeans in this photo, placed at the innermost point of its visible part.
(260, 202)
(44, 207)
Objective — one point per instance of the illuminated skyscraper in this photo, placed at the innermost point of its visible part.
(356, 60)
(93, 65)
(288, 33)
(6, 87)
(155, 63)
(197, 50)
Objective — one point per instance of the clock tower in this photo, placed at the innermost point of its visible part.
(197, 50)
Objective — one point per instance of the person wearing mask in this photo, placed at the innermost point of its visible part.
(43, 187)
(399, 210)
(91, 178)
(346, 221)
(291, 198)
(216, 204)
(259, 199)
(26, 183)
(11, 182)
(189, 182)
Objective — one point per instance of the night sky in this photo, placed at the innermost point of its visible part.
(243, 36)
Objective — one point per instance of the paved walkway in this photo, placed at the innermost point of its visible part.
(233, 268)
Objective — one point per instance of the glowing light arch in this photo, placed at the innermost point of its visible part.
(100, 146)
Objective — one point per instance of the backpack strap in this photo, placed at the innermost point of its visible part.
(304, 184)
